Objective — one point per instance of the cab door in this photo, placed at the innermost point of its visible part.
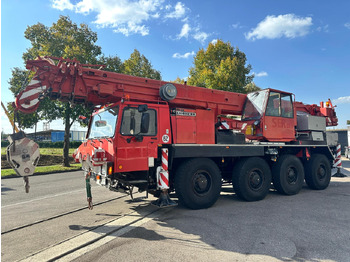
(279, 120)
(138, 136)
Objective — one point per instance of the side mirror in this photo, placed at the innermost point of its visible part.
(100, 123)
(142, 108)
(145, 123)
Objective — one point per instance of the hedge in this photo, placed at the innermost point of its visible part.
(73, 144)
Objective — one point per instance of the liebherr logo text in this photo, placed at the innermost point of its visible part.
(183, 113)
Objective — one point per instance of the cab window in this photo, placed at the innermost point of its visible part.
(132, 122)
(279, 104)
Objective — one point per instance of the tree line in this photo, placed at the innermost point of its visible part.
(219, 66)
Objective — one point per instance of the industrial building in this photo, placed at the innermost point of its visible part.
(57, 135)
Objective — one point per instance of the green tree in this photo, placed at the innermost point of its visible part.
(222, 67)
(251, 87)
(179, 80)
(111, 63)
(63, 39)
(139, 65)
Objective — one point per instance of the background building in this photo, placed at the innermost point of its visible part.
(56, 135)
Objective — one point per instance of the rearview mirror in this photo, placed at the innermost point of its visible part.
(100, 123)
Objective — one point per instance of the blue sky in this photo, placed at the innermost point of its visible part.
(296, 46)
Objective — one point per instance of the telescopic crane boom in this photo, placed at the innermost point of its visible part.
(68, 80)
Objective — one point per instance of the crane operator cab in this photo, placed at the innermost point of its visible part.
(269, 116)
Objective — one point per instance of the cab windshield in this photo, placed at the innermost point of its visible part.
(104, 123)
(254, 106)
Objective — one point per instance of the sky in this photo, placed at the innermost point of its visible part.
(298, 46)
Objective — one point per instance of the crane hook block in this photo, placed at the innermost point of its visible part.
(168, 92)
(22, 154)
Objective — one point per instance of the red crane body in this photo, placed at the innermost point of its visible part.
(143, 129)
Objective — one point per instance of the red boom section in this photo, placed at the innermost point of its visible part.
(326, 111)
(68, 80)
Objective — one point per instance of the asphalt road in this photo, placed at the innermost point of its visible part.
(310, 226)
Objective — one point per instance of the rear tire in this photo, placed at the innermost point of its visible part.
(251, 179)
(288, 175)
(198, 183)
(318, 172)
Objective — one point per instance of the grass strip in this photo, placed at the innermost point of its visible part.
(47, 151)
(44, 170)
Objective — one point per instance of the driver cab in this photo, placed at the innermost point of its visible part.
(272, 115)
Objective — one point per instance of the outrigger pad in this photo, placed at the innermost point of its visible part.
(339, 174)
(164, 201)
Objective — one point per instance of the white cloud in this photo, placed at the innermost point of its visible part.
(289, 26)
(132, 29)
(200, 36)
(125, 16)
(185, 56)
(62, 5)
(133, 16)
(179, 11)
(185, 30)
(323, 29)
(214, 41)
(260, 74)
(341, 100)
(237, 26)
(347, 25)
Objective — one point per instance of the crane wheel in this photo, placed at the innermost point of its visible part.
(251, 179)
(288, 175)
(318, 172)
(198, 183)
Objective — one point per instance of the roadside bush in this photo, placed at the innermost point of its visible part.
(4, 143)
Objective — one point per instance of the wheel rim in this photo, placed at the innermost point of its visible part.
(201, 182)
(292, 175)
(321, 172)
(256, 179)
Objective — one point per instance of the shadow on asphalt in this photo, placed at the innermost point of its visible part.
(309, 226)
(5, 189)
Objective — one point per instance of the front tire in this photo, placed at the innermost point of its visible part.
(198, 183)
(288, 175)
(251, 179)
(318, 172)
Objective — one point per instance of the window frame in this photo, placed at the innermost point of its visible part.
(281, 112)
(141, 134)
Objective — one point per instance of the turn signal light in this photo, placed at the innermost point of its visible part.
(250, 130)
(110, 170)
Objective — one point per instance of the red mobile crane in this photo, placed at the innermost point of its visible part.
(160, 137)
